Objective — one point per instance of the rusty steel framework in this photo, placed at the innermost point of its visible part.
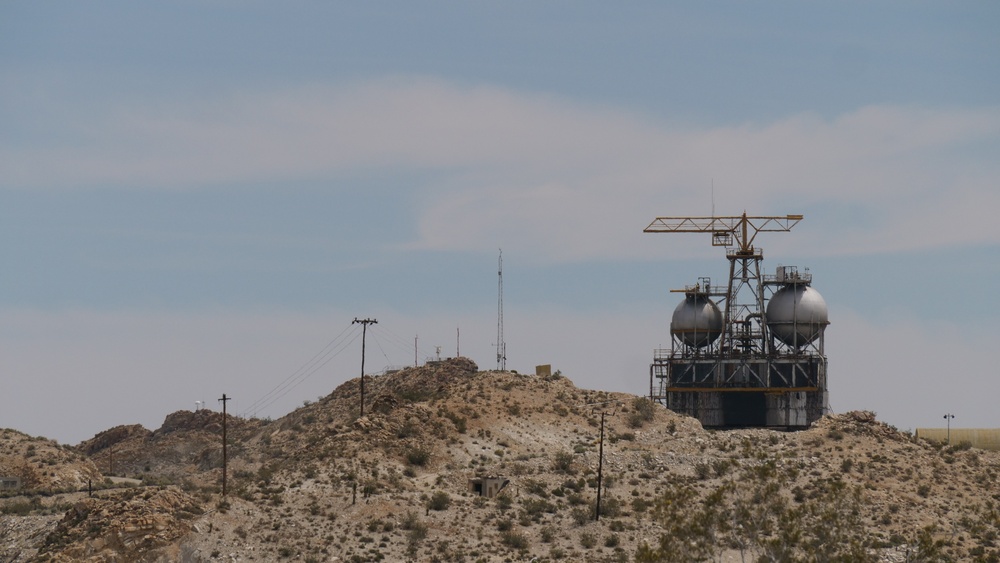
(743, 375)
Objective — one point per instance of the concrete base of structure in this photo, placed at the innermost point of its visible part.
(771, 409)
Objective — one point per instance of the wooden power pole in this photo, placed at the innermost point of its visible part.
(364, 333)
(224, 456)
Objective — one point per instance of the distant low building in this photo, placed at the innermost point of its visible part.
(982, 438)
(488, 487)
(10, 483)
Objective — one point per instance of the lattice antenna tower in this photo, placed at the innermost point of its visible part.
(501, 345)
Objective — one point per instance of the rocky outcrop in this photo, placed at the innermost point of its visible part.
(127, 526)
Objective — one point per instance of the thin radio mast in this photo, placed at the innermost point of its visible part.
(501, 346)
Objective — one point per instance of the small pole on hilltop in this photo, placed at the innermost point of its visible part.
(600, 456)
(225, 460)
(948, 417)
(600, 468)
(364, 333)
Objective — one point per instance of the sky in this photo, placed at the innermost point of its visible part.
(198, 198)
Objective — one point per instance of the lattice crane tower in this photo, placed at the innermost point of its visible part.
(759, 359)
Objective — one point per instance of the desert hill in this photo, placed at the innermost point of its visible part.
(400, 484)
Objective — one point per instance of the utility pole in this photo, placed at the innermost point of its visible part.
(948, 417)
(600, 457)
(501, 345)
(364, 333)
(600, 470)
(225, 460)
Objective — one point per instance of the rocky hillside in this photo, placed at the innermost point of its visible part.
(44, 465)
(323, 484)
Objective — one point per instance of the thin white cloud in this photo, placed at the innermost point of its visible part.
(558, 179)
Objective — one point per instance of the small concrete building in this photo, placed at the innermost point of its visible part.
(9, 483)
(488, 487)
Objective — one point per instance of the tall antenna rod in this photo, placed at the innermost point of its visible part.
(501, 346)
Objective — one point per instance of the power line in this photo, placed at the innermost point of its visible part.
(380, 349)
(334, 348)
(402, 345)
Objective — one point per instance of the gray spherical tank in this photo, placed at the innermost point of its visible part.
(697, 321)
(797, 315)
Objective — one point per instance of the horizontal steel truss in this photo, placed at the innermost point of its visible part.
(776, 374)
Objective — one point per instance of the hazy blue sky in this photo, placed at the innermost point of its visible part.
(197, 197)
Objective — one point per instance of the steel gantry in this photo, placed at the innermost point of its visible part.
(732, 371)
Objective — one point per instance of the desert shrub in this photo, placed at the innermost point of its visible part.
(440, 500)
(21, 508)
(515, 540)
(407, 430)
(640, 505)
(409, 520)
(563, 462)
(580, 516)
(536, 506)
(643, 411)
(417, 532)
(611, 507)
(418, 456)
(587, 540)
(721, 467)
(415, 395)
(535, 487)
(696, 526)
(459, 421)
(702, 470)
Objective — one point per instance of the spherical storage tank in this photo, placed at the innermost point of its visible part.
(797, 315)
(697, 321)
